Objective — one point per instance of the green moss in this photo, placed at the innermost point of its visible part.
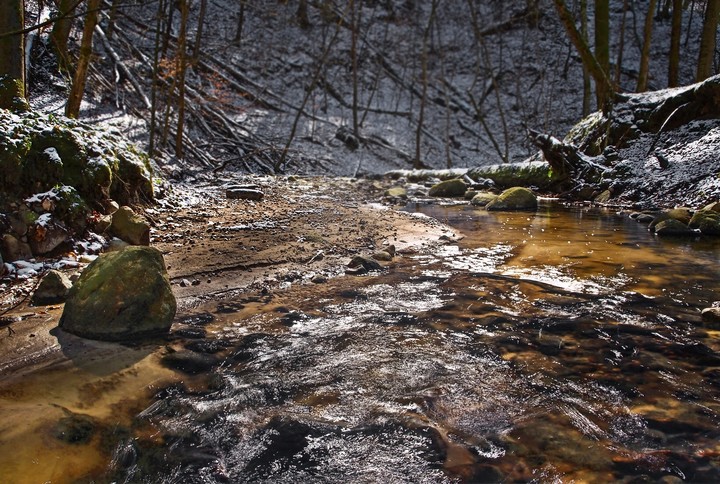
(536, 174)
(516, 198)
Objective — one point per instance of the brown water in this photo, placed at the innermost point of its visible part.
(564, 345)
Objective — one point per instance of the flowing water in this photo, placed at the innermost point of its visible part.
(563, 345)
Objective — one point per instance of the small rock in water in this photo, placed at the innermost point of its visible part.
(185, 283)
(672, 227)
(244, 194)
(711, 317)
(75, 429)
(365, 263)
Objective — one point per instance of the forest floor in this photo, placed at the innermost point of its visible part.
(217, 249)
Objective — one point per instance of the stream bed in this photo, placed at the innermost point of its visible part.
(556, 346)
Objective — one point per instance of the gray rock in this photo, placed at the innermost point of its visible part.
(122, 295)
(244, 194)
(396, 192)
(383, 256)
(711, 317)
(364, 262)
(13, 249)
(516, 198)
(130, 227)
(46, 234)
(53, 289)
(318, 279)
(671, 226)
(448, 188)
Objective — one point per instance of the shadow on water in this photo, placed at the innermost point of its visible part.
(564, 345)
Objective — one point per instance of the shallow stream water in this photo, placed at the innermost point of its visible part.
(557, 346)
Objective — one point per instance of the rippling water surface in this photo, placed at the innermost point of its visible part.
(563, 345)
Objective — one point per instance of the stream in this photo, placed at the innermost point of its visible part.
(556, 346)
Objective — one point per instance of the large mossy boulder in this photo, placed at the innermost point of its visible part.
(40, 151)
(708, 221)
(671, 226)
(516, 198)
(448, 188)
(120, 296)
(130, 227)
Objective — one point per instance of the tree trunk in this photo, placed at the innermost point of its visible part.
(602, 46)
(601, 79)
(181, 68)
(61, 32)
(198, 35)
(302, 14)
(707, 42)
(675, 33)
(12, 57)
(645, 55)
(240, 22)
(355, 9)
(72, 108)
(621, 44)
(424, 78)
(113, 18)
(156, 60)
(586, 74)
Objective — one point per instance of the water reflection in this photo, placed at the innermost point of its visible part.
(560, 346)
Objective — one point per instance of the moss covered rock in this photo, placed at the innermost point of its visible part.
(41, 151)
(670, 226)
(121, 295)
(483, 198)
(516, 198)
(448, 188)
(708, 221)
(130, 227)
(681, 214)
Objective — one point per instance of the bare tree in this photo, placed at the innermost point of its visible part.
(12, 56)
(707, 41)
(602, 46)
(72, 108)
(61, 31)
(675, 34)
(181, 62)
(645, 56)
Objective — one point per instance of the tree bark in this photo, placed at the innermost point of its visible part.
(602, 46)
(199, 33)
(675, 33)
(586, 74)
(72, 108)
(601, 79)
(61, 31)
(707, 41)
(645, 55)
(12, 57)
(181, 69)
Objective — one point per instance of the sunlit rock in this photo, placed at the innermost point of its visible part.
(122, 295)
(448, 188)
(707, 221)
(53, 289)
(671, 226)
(13, 249)
(46, 234)
(483, 198)
(516, 198)
(130, 227)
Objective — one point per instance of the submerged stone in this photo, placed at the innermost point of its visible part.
(448, 188)
(516, 198)
(121, 295)
(483, 198)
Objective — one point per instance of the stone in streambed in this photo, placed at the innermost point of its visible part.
(481, 199)
(672, 227)
(448, 188)
(707, 221)
(53, 289)
(396, 192)
(130, 227)
(122, 295)
(244, 193)
(516, 198)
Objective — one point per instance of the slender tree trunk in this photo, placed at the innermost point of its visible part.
(12, 57)
(601, 79)
(72, 108)
(61, 31)
(110, 30)
(707, 42)
(586, 75)
(154, 87)
(645, 56)
(424, 78)
(181, 68)
(355, 8)
(302, 14)
(621, 44)
(602, 45)
(675, 33)
(240, 22)
(199, 34)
